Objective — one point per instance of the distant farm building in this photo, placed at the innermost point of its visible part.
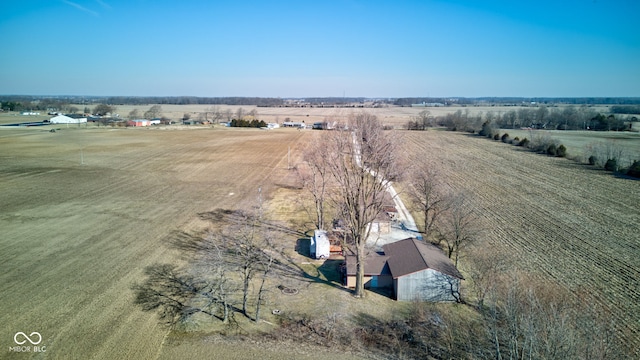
(294, 124)
(414, 269)
(324, 125)
(63, 119)
(139, 122)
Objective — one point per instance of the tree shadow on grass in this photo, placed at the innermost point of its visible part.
(239, 216)
(196, 245)
(330, 269)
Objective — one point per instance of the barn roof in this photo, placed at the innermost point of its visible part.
(374, 264)
(411, 255)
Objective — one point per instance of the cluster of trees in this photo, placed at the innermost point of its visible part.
(104, 109)
(518, 317)
(422, 121)
(540, 142)
(350, 170)
(448, 219)
(228, 271)
(247, 123)
(567, 118)
(612, 157)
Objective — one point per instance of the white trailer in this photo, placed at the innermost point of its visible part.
(320, 247)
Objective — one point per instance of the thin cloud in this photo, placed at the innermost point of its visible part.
(104, 4)
(81, 8)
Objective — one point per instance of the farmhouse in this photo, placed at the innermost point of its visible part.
(63, 119)
(414, 269)
(139, 122)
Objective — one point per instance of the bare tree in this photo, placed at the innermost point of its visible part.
(227, 115)
(315, 178)
(154, 112)
(421, 121)
(213, 114)
(134, 114)
(240, 113)
(486, 267)
(427, 194)
(362, 162)
(457, 228)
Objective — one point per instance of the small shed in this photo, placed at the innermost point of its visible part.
(320, 247)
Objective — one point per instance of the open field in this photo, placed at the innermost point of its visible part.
(560, 220)
(393, 115)
(82, 213)
(578, 141)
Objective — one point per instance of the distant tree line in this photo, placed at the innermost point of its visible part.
(625, 109)
(624, 105)
(518, 101)
(541, 117)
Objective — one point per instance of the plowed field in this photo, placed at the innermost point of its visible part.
(567, 222)
(82, 212)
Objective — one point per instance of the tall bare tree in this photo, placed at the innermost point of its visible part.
(427, 194)
(315, 178)
(134, 114)
(154, 112)
(458, 227)
(362, 161)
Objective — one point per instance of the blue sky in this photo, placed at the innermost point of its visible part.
(320, 48)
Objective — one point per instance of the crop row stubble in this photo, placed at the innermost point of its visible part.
(566, 223)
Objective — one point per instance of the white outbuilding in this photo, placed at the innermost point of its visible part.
(62, 119)
(320, 247)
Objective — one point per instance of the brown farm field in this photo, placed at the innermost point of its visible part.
(565, 222)
(84, 211)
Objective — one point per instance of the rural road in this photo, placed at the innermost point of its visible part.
(405, 226)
